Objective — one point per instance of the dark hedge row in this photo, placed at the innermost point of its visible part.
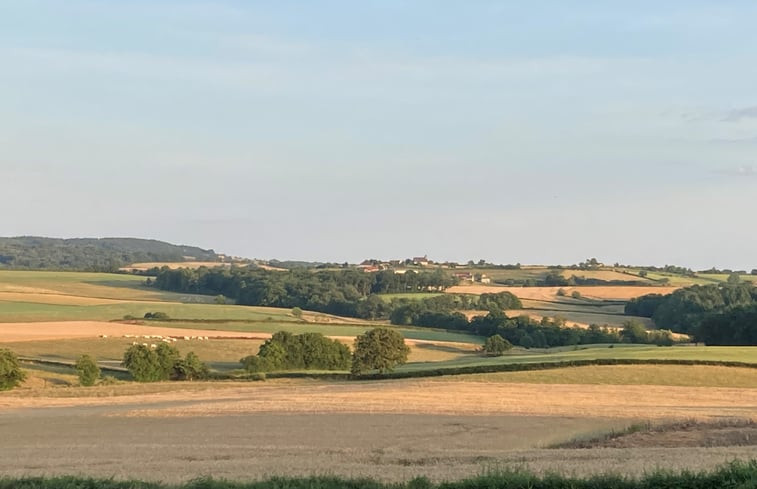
(736, 475)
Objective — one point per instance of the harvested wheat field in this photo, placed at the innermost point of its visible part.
(391, 430)
(12, 332)
(550, 293)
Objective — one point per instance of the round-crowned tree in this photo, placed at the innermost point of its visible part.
(379, 349)
(496, 346)
(87, 369)
(11, 374)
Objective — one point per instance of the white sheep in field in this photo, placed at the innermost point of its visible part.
(186, 337)
(153, 345)
(144, 344)
(103, 336)
(205, 338)
(128, 336)
(134, 343)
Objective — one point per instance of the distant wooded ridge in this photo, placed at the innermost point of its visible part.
(92, 254)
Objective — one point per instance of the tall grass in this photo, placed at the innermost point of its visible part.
(735, 475)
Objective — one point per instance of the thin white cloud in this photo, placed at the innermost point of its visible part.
(736, 115)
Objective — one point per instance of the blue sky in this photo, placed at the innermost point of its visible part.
(532, 132)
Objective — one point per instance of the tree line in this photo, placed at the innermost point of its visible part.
(349, 292)
(717, 314)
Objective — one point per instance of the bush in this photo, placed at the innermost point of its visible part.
(11, 374)
(87, 369)
(379, 349)
(190, 368)
(159, 316)
(576, 294)
(163, 363)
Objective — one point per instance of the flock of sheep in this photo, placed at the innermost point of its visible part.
(164, 339)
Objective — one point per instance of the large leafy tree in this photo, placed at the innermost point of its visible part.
(379, 349)
(11, 374)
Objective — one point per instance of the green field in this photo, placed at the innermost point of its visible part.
(747, 354)
(36, 312)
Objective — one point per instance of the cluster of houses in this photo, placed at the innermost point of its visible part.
(400, 266)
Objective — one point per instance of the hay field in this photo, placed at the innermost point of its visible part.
(608, 275)
(674, 375)
(621, 293)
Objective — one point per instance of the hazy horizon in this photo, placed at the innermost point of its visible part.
(332, 131)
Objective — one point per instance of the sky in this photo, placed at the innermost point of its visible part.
(541, 132)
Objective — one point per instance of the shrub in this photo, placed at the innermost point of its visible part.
(190, 368)
(297, 312)
(576, 294)
(11, 374)
(163, 363)
(159, 316)
(87, 369)
(379, 349)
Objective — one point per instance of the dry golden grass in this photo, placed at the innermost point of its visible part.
(13, 332)
(437, 397)
(550, 293)
(53, 297)
(673, 375)
(393, 430)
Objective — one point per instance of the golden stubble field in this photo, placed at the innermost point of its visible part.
(550, 293)
(393, 430)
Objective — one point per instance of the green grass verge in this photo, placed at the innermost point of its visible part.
(12, 312)
(735, 475)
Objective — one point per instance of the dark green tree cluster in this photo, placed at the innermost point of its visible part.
(164, 362)
(11, 374)
(443, 311)
(733, 326)
(95, 255)
(307, 351)
(529, 333)
(683, 310)
(346, 292)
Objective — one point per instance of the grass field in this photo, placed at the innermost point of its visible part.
(37, 312)
(678, 375)
(641, 352)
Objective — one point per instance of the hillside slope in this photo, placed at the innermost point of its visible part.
(92, 254)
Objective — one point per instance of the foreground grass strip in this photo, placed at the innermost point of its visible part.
(520, 367)
(736, 475)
